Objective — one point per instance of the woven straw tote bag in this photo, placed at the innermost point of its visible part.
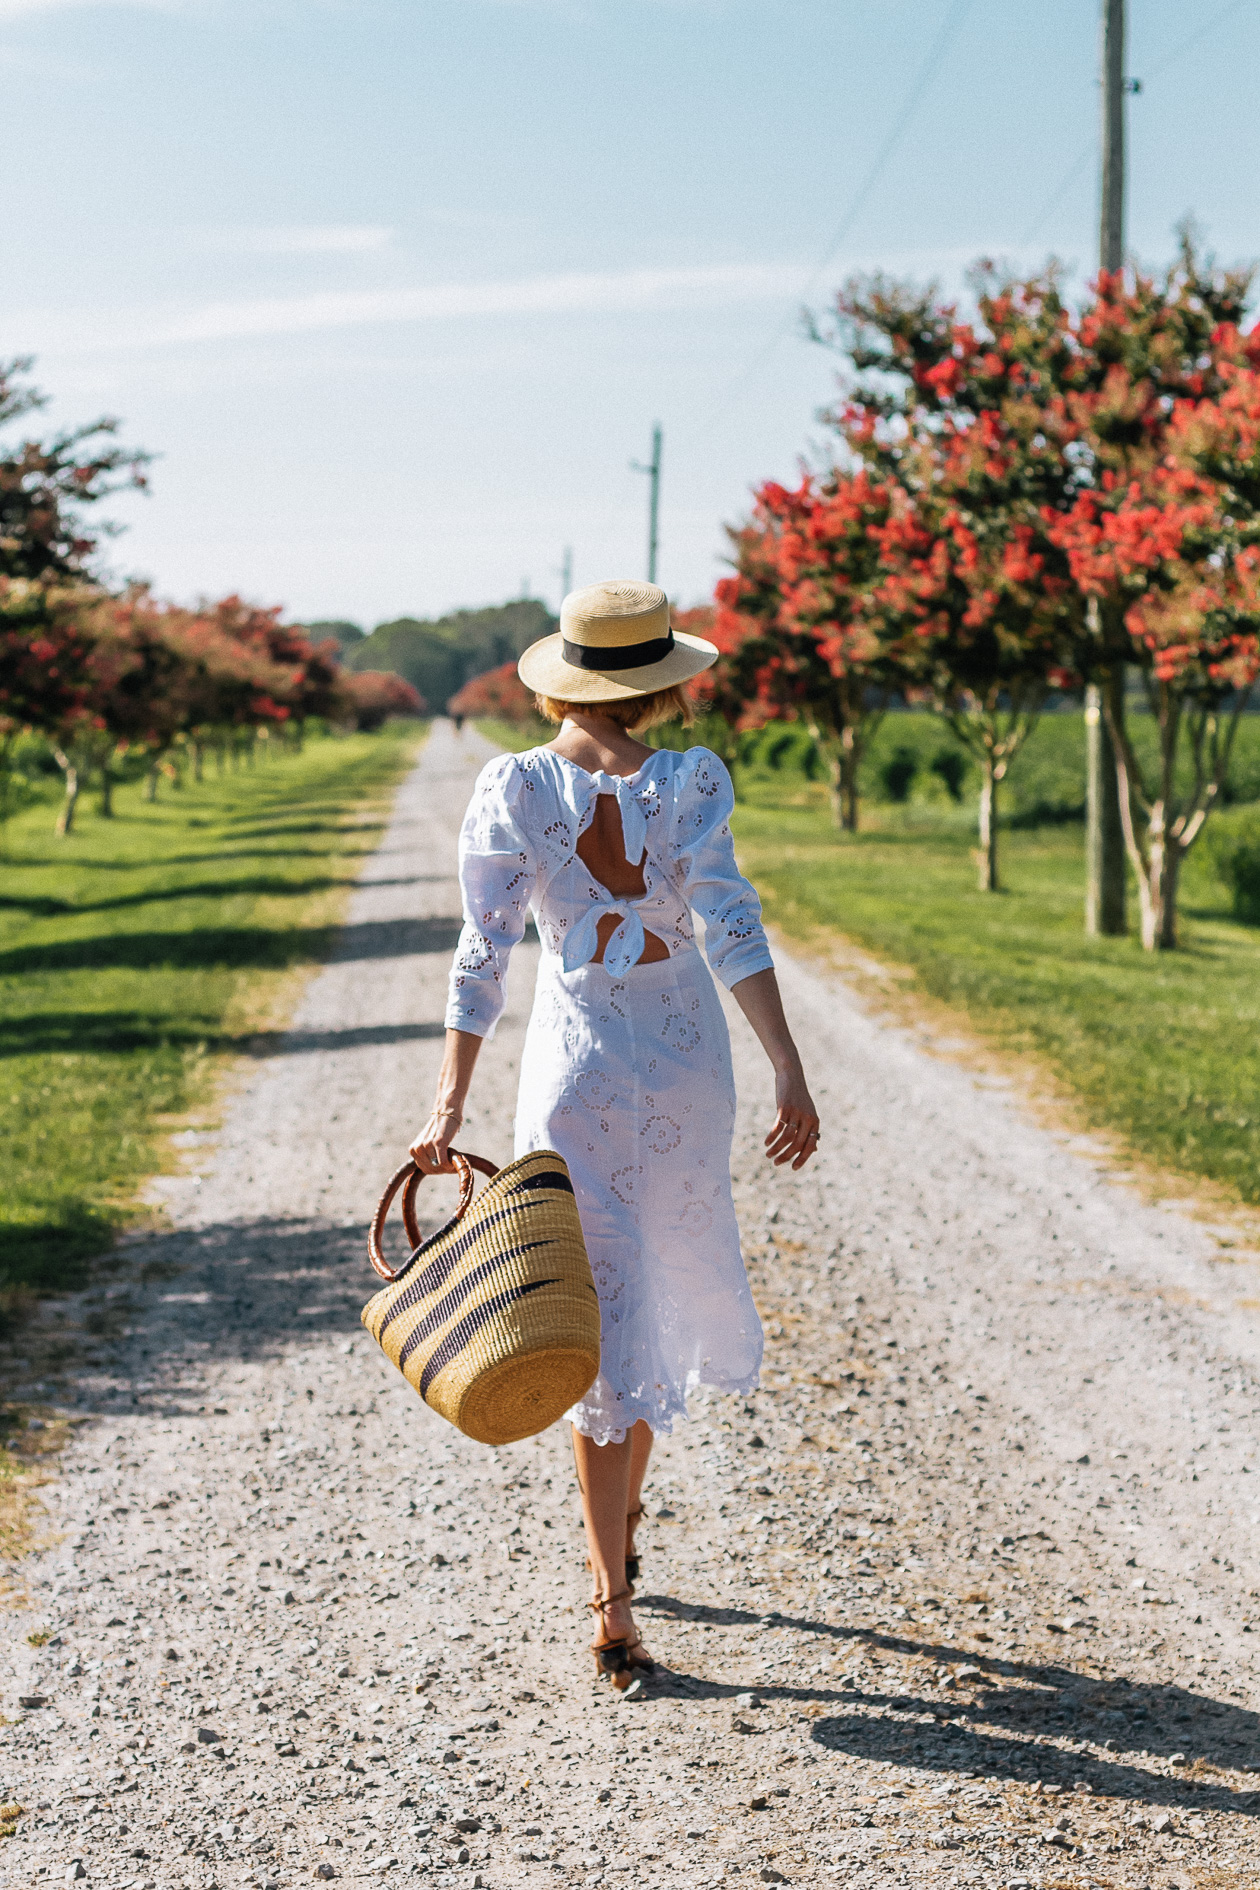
(494, 1319)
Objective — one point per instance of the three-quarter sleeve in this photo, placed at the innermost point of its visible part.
(497, 871)
(734, 938)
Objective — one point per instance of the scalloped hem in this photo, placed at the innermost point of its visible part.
(660, 1416)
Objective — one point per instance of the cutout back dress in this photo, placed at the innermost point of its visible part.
(627, 1066)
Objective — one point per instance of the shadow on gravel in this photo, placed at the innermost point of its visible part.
(242, 1291)
(1039, 1701)
(274, 1043)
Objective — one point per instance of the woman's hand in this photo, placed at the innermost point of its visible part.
(430, 1150)
(794, 1137)
(794, 1134)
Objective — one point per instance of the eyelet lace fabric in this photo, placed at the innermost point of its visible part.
(627, 1068)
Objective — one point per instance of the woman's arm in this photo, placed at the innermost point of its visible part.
(793, 1135)
(429, 1150)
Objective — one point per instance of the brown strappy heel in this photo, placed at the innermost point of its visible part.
(620, 1661)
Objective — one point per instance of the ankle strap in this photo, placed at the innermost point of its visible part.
(598, 1605)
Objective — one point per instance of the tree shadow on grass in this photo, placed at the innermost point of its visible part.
(1004, 1721)
(208, 948)
(258, 885)
(109, 1033)
(58, 860)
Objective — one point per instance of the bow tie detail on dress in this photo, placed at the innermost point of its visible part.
(626, 946)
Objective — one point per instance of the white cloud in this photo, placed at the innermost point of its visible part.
(302, 239)
(610, 293)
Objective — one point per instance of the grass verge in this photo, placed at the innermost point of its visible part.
(139, 950)
(1162, 1048)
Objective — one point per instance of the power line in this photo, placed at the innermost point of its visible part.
(1052, 203)
(1153, 72)
(953, 20)
(1201, 32)
(927, 73)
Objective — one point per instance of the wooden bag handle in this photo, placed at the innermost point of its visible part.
(408, 1178)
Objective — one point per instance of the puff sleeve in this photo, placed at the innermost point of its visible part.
(734, 938)
(497, 872)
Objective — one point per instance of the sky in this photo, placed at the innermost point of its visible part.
(396, 289)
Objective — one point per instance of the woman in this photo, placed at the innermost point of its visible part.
(627, 1066)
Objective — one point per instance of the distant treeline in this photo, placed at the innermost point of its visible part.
(439, 655)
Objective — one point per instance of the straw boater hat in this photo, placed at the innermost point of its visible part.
(614, 641)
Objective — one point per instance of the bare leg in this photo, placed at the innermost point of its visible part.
(603, 1472)
(640, 1450)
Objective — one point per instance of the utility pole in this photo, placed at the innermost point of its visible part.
(1104, 841)
(653, 471)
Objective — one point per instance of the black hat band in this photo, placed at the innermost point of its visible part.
(618, 656)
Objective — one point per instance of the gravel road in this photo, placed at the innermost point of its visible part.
(963, 1595)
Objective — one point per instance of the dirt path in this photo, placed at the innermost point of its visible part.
(963, 1595)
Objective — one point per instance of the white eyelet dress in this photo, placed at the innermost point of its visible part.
(627, 1067)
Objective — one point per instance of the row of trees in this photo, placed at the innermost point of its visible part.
(1021, 502)
(112, 679)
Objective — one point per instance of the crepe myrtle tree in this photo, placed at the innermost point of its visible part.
(496, 695)
(48, 486)
(965, 420)
(1178, 554)
(373, 696)
(795, 617)
(1036, 424)
(974, 629)
(45, 665)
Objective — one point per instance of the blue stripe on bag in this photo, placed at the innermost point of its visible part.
(437, 1317)
(458, 1337)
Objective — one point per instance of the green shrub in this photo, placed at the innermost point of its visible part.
(896, 776)
(950, 766)
(1232, 844)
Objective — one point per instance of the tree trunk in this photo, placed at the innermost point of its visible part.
(987, 856)
(106, 806)
(847, 812)
(198, 762)
(1158, 886)
(836, 795)
(65, 819)
(1168, 901)
(151, 783)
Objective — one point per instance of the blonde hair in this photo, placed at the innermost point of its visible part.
(633, 713)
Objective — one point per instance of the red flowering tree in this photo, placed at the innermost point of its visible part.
(796, 623)
(1162, 544)
(1083, 483)
(1179, 554)
(374, 695)
(45, 665)
(496, 695)
(47, 487)
(967, 422)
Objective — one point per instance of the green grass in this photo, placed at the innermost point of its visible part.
(1163, 1048)
(134, 951)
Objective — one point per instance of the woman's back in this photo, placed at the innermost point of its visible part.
(602, 860)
